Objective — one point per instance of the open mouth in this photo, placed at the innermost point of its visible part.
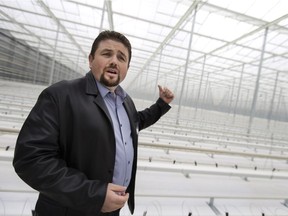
(112, 71)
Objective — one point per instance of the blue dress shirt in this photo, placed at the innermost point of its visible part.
(122, 130)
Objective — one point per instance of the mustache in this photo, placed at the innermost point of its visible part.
(112, 65)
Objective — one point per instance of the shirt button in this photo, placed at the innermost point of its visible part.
(128, 162)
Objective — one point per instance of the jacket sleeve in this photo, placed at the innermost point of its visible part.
(38, 161)
(152, 114)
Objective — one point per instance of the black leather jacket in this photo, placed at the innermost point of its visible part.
(66, 147)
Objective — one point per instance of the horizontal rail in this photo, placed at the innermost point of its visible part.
(211, 151)
(187, 169)
(208, 196)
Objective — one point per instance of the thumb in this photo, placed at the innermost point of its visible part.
(160, 88)
(117, 188)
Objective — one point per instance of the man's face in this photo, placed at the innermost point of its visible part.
(109, 64)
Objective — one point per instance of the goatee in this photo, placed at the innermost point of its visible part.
(109, 83)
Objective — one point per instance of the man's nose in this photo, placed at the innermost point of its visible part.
(113, 61)
(113, 64)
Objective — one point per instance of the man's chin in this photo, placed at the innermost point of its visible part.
(110, 84)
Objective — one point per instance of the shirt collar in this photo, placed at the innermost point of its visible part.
(104, 91)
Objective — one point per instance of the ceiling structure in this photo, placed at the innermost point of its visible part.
(207, 52)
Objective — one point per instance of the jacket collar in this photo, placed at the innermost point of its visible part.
(91, 87)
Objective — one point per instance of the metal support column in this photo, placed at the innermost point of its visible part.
(252, 112)
(279, 101)
(200, 84)
(110, 14)
(54, 54)
(231, 96)
(186, 66)
(102, 16)
(205, 97)
(158, 72)
(272, 100)
(246, 101)
(211, 205)
(77, 68)
(238, 92)
(36, 63)
(187, 92)
(285, 203)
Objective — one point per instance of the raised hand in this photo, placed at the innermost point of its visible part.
(165, 94)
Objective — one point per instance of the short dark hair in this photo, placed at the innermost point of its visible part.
(111, 35)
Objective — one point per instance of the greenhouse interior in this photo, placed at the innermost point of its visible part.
(221, 150)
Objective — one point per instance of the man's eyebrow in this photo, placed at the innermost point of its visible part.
(106, 49)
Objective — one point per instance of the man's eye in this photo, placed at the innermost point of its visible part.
(122, 58)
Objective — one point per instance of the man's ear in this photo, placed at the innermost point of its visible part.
(90, 60)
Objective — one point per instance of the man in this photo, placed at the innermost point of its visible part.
(78, 146)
